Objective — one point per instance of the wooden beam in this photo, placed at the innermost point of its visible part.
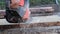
(3, 27)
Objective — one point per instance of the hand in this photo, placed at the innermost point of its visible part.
(14, 4)
(15, 1)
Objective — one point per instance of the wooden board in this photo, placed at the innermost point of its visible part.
(23, 25)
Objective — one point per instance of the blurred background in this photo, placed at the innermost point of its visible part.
(32, 3)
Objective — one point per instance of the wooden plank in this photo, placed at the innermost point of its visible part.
(23, 25)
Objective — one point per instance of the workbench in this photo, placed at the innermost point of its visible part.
(35, 24)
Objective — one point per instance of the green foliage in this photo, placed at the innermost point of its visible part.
(59, 1)
(39, 2)
(2, 4)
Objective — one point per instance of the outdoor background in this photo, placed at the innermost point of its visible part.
(32, 3)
